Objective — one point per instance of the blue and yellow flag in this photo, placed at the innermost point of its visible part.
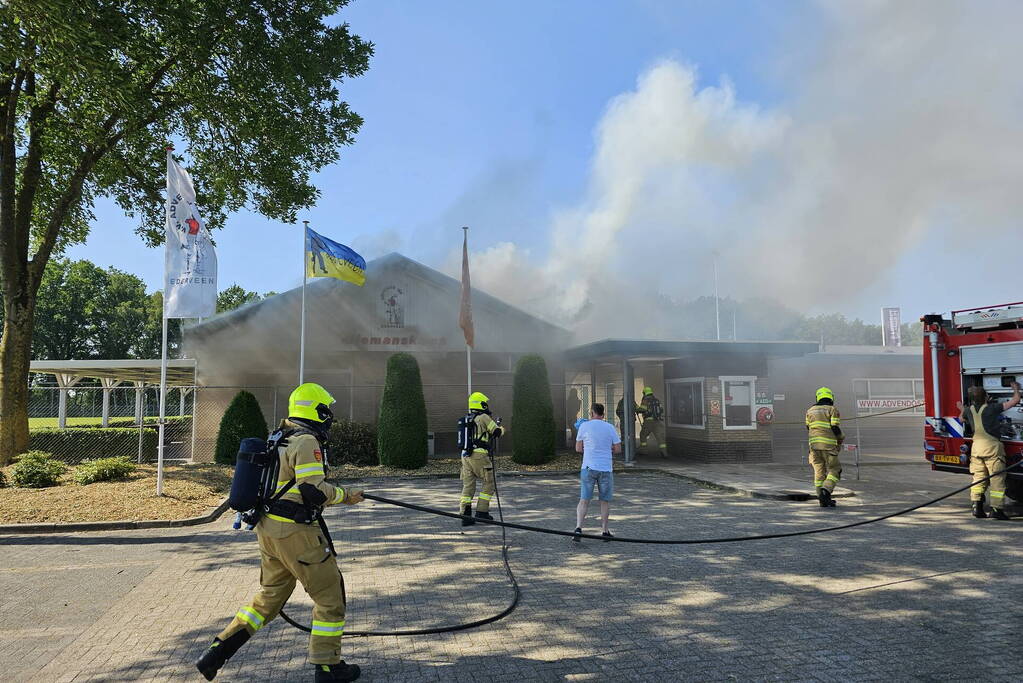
(326, 258)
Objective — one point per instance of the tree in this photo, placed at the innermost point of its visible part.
(235, 297)
(65, 309)
(243, 419)
(120, 317)
(90, 93)
(535, 434)
(401, 430)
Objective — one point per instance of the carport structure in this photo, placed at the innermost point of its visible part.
(114, 373)
(715, 394)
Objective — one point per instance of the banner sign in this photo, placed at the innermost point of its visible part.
(891, 325)
(886, 403)
(190, 263)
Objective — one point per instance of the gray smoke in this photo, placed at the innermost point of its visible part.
(903, 127)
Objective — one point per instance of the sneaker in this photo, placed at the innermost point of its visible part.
(607, 536)
(577, 534)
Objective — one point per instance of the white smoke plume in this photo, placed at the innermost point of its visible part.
(903, 126)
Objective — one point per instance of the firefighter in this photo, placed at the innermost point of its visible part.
(292, 548)
(823, 424)
(653, 421)
(987, 455)
(476, 462)
(637, 410)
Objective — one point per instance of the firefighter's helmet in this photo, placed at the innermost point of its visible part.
(310, 402)
(824, 392)
(478, 401)
(647, 391)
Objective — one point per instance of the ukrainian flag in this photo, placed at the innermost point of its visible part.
(326, 258)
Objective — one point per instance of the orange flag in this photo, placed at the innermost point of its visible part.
(465, 316)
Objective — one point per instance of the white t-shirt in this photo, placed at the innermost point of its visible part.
(597, 436)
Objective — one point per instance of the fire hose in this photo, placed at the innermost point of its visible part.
(517, 593)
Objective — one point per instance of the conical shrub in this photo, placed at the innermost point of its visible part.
(533, 430)
(401, 430)
(243, 419)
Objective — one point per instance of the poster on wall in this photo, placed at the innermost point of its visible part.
(715, 407)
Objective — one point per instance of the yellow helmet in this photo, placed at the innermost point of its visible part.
(647, 391)
(478, 401)
(824, 392)
(310, 402)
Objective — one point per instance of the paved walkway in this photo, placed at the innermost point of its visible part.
(932, 596)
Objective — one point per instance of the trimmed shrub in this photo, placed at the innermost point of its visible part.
(352, 443)
(534, 436)
(37, 470)
(401, 430)
(75, 445)
(243, 419)
(103, 469)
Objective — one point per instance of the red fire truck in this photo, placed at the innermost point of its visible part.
(977, 347)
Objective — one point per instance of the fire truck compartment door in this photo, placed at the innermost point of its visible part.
(992, 358)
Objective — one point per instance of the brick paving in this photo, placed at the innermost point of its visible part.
(933, 596)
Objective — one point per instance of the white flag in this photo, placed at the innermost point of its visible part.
(190, 265)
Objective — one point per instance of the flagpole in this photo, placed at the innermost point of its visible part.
(468, 349)
(301, 343)
(163, 358)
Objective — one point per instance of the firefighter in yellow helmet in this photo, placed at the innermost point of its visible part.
(824, 426)
(294, 545)
(653, 421)
(476, 463)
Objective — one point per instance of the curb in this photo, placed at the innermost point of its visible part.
(56, 528)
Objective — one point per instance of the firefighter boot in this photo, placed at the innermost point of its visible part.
(820, 497)
(828, 501)
(483, 514)
(978, 509)
(219, 652)
(998, 513)
(339, 672)
(467, 519)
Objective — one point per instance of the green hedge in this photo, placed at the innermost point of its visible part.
(103, 469)
(125, 422)
(534, 436)
(243, 419)
(352, 443)
(37, 470)
(75, 445)
(401, 430)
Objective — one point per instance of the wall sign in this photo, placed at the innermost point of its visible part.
(715, 407)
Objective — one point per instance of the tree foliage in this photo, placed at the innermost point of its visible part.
(402, 428)
(92, 90)
(243, 419)
(535, 435)
(236, 296)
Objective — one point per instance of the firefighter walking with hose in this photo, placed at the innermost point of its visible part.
(294, 545)
(477, 431)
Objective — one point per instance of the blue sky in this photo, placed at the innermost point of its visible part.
(483, 114)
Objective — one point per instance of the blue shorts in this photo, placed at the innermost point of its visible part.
(604, 480)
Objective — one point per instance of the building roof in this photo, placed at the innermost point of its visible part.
(865, 350)
(180, 372)
(391, 260)
(656, 350)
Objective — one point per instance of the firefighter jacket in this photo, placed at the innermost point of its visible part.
(651, 407)
(485, 428)
(819, 421)
(301, 459)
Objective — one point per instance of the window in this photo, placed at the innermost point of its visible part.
(737, 394)
(685, 402)
(884, 395)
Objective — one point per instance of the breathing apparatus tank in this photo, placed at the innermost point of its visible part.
(467, 434)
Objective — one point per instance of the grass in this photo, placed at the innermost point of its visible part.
(43, 422)
(189, 491)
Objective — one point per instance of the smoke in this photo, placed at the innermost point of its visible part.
(902, 126)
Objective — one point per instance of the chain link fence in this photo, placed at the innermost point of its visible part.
(98, 422)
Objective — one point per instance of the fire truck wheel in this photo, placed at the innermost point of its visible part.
(1014, 490)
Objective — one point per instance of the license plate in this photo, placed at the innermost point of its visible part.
(953, 459)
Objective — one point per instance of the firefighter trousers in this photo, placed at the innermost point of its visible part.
(655, 428)
(982, 466)
(827, 470)
(305, 557)
(477, 466)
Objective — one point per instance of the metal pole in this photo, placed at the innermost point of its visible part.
(858, 445)
(717, 310)
(163, 407)
(468, 365)
(301, 343)
(195, 395)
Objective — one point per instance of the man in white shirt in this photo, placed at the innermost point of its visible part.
(596, 440)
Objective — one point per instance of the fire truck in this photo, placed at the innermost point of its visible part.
(976, 347)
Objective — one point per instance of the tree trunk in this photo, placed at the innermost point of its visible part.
(15, 356)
